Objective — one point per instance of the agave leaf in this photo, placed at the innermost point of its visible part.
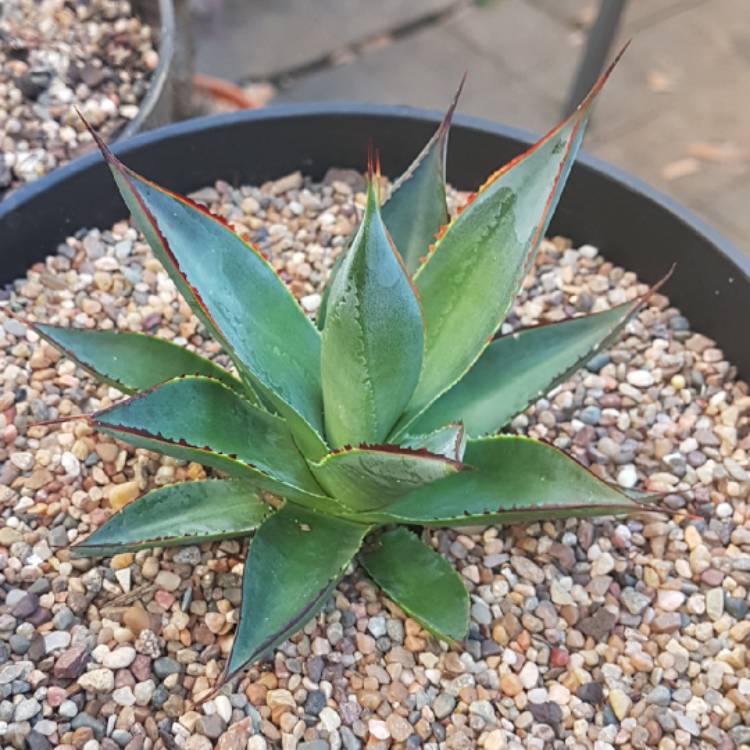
(295, 560)
(517, 369)
(374, 476)
(476, 267)
(132, 362)
(237, 294)
(516, 479)
(186, 513)
(199, 419)
(448, 441)
(372, 341)
(416, 209)
(421, 582)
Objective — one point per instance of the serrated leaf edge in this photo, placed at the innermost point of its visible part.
(453, 642)
(93, 549)
(129, 175)
(300, 617)
(93, 419)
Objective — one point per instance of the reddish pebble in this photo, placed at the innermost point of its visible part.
(141, 667)
(55, 696)
(164, 599)
(123, 678)
(712, 577)
(558, 657)
(98, 516)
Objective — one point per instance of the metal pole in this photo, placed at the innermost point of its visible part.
(598, 44)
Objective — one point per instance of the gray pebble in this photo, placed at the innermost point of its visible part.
(659, 696)
(349, 741)
(187, 556)
(315, 668)
(37, 741)
(687, 724)
(376, 626)
(63, 618)
(164, 666)
(18, 644)
(634, 600)
(58, 537)
(211, 726)
(315, 703)
(480, 613)
(735, 607)
(591, 692)
(443, 705)
(84, 720)
(395, 630)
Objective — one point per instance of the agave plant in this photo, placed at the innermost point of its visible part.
(335, 441)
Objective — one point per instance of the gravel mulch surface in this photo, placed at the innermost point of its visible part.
(56, 55)
(628, 633)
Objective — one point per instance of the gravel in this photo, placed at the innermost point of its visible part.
(56, 56)
(585, 633)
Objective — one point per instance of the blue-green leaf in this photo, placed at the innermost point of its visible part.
(374, 476)
(448, 441)
(199, 419)
(238, 295)
(187, 513)
(468, 282)
(131, 362)
(515, 479)
(295, 561)
(372, 340)
(421, 582)
(416, 209)
(517, 369)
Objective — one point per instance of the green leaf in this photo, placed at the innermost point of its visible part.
(372, 340)
(237, 294)
(448, 441)
(516, 479)
(187, 513)
(199, 419)
(516, 370)
(295, 560)
(421, 582)
(469, 280)
(416, 209)
(374, 476)
(131, 362)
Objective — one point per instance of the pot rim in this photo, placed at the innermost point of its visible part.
(158, 80)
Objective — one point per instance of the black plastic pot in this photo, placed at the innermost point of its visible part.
(158, 105)
(633, 225)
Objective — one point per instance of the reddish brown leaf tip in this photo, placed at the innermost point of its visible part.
(448, 117)
(656, 287)
(62, 420)
(106, 152)
(373, 173)
(603, 78)
(370, 159)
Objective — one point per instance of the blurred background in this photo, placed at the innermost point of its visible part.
(676, 112)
